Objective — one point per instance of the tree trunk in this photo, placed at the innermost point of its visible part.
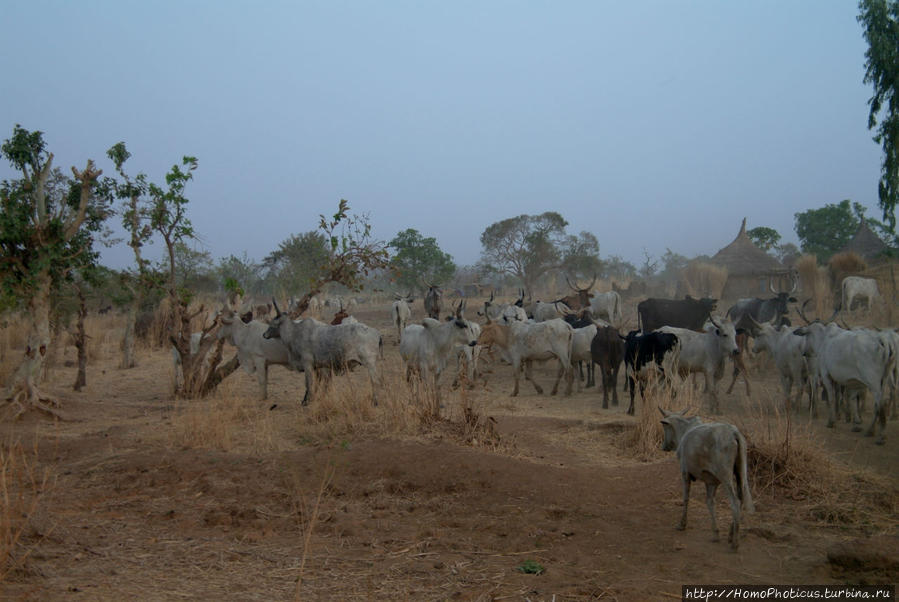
(81, 341)
(128, 359)
(22, 391)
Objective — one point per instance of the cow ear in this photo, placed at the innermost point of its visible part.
(665, 413)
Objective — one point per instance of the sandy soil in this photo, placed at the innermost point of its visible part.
(139, 510)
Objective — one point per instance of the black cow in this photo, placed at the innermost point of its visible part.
(772, 310)
(686, 313)
(607, 350)
(640, 350)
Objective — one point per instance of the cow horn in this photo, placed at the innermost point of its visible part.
(573, 287)
(592, 282)
(492, 295)
(771, 286)
(712, 319)
(795, 280)
(833, 316)
(801, 311)
(275, 304)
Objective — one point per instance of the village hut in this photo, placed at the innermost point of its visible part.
(750, 271)
(867, 245)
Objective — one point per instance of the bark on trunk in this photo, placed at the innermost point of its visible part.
(128, 360)
(81, 341)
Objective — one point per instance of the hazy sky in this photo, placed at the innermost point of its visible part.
(652, 124)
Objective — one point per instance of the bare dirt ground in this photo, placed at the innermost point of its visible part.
(241, 499)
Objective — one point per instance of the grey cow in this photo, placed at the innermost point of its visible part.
(715, 453)
(254, 352)
(320, 348)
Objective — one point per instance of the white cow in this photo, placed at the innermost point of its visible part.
(608, 305)
(550, 311)
(580, 349)
(714, 453)
(523, 342)
(855, 286)
(401, 313)
(849, 358)
(788, 351)
(321, 349)
(254, 352)
(426, 348)
(705, 352)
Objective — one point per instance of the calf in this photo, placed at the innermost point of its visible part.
(642, 350)
(716, 454)
(607, 350)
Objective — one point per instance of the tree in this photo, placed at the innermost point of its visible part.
(764, 238)
(352, 253)
(527, 246)
(298, 260)
(826, 230)
(880, 21)
(243, 270)
(674, 264)
(580, 255)
(418, 258)
(47, 227)
(615, 266)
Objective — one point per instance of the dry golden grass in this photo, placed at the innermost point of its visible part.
(786, 460)
(24, 487)
(815, 284)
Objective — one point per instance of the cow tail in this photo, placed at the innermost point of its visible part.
(742, 473)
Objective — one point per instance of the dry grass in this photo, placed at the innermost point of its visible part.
(24, 487)
(814, 283)
(228, 422)
(701, 279)
(645, 440)
(786, 461)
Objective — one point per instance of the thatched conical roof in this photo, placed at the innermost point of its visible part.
(866, 243)
(742, 257)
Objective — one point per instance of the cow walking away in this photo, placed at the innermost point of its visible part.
(607, 350)
(714, 453)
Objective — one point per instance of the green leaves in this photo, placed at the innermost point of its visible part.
(880, 24)
(417, 257)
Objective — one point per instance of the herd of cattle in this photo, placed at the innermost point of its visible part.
(682, 335)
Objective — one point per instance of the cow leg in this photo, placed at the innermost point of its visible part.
(528, 374)
(710, 489)
(613, 382)
(631, 382)
(375, 383)
(733, 535)
(683, 519)
(829, 390)
(516, 368)
(605, 387)
(713, 394)
(879, 415)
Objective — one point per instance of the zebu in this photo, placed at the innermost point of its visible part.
(716, 454)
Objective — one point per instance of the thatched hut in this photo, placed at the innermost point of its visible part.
(867, 245)
(750, 271)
